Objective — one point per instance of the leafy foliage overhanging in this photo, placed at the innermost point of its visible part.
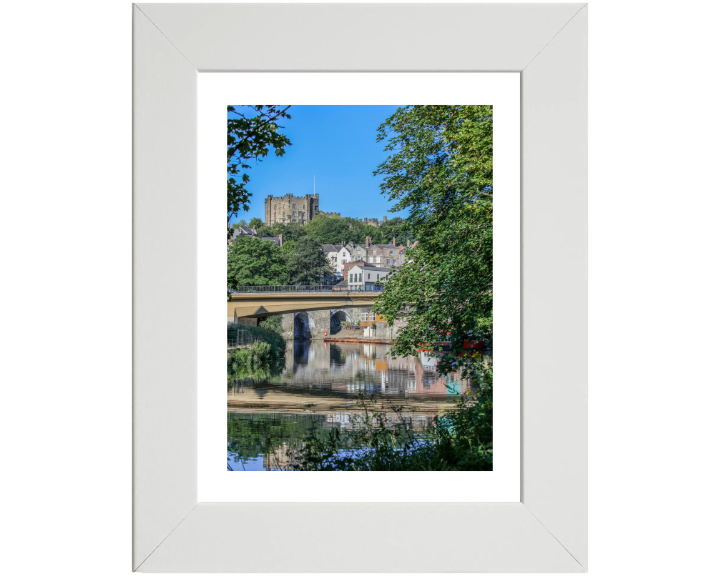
(251, 132)
(441, 169)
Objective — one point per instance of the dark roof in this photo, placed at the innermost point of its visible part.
(365, 265)
(243, 231)
(330, 248)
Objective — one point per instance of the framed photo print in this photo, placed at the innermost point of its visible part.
(390, 284)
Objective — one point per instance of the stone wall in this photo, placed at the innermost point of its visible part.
(288, 326)
(314, 324)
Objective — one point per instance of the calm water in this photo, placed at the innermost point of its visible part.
(269, 415)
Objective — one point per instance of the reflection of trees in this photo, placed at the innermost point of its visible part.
(301, 348)
(337, 357)
(254, 435)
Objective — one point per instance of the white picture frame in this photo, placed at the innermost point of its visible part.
(547, 530)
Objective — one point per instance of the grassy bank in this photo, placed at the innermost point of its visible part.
(267, 334)
(264, 357)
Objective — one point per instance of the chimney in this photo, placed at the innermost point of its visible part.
(343, 244)
(394, 241)
(368, 240)
(254, 230)
(280, 240)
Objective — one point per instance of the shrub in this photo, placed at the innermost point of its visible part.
(274, 339)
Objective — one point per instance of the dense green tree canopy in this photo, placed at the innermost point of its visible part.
(251, 132)
(440, 168)
(255, 262)
(334, 230)
(329, 230)
(256, 222)
(308, 263)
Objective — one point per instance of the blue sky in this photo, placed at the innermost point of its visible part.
(336, 144)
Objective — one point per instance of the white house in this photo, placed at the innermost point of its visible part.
(331, 251)
(344, 255)
(365, 277)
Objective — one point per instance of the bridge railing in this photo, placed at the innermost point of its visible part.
(306, 288)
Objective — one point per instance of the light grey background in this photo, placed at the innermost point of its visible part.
(548, 45)
(653, 214)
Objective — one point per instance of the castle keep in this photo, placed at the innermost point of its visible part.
(301, 209)
(289, 208)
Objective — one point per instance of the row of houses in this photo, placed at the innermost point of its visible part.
(361, 266)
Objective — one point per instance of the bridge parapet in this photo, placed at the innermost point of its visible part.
(270, 302)
(304, 289)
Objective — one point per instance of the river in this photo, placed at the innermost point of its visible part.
(269, 415)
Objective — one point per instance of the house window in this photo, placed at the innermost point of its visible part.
(374, 251)
(390, 252)
(393, 262)
(364, 316)
(387, 261)
(293, 206)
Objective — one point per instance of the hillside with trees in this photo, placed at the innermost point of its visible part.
(334, 230)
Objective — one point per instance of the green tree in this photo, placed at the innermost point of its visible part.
(288, 247)
(255, 262)
(329, 230)
(440, 168)
(256, 222)
(308, 263)
(251, 132)
(396, 228)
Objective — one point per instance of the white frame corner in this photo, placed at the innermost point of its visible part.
(547, 44)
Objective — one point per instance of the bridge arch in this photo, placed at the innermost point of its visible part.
(336, 317)
(301, 327)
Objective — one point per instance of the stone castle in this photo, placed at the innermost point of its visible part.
(289, 208)
(300, 209)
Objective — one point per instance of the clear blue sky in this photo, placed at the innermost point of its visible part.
(337, 145)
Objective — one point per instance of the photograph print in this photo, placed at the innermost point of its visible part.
(359, 288)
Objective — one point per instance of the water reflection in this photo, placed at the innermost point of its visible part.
(269, 416)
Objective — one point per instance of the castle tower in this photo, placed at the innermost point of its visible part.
(290, 208)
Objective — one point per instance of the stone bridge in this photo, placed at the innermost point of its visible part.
(305, 314)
